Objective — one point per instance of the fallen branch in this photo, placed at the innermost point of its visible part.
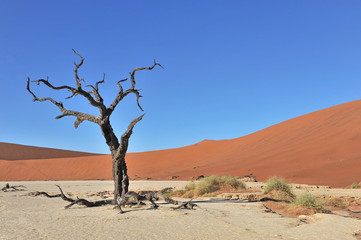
(79, 201)
(186, 205)
(8, 188)
(87, 203)
(82, 201)
(35, 194)
(128, 198)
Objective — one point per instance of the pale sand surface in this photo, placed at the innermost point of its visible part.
(26, 217)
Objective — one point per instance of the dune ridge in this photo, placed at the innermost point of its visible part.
(317, 148)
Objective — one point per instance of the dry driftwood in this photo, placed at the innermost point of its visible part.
(72, 201)
(128, 198)
(9, 188)
(186, 205)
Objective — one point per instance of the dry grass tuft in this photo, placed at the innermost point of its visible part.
(354, 185)
(310, 201)
(210, 186)
(277, 188)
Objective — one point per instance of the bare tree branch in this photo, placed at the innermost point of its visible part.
(132, 74)
(47, 83)
(124, 140)
(58, 104)
(99, 82)
(95, 90)
(122, 94)
(78, 122)
(120, 86)
(74, 93)
(97, 102)
(80, 116)
(77, 66)
(79, 90)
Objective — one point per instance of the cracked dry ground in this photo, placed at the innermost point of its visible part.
(27, 217)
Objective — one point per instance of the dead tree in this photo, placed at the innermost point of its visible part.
(118, 146)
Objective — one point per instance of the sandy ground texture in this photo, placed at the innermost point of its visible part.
(26, 217)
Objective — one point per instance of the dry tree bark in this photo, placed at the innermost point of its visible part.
(118, 146)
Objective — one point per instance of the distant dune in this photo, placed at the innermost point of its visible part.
(10, 151)
(321, 148)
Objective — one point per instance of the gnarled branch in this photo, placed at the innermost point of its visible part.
(47, 83)
(66, 112)
(97, 102)
(79, 201)
(124, 140)
(132, 74)
(95, 90)
(77, 66)
(121, 94)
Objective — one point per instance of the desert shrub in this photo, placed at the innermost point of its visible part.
(277, 184)
(310, 201)
(212, 184)
(190, 186)
(232, 182)
(354, 185)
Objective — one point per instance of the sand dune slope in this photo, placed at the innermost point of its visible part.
(10, 151)
(318, 148)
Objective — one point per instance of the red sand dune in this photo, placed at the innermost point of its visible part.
(320, 148)
(9, 151)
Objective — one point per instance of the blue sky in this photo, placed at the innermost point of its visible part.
(231, 67)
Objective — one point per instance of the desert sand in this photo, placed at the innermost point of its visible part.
(321, 148)
(27, 217)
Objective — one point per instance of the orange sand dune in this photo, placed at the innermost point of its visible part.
(10, 151)
(318, 148)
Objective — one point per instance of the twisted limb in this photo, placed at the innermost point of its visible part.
(79, 201)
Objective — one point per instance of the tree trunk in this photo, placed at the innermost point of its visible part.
(119, 166)
(120, 175)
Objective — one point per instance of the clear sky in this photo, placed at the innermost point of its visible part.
(231, 67)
